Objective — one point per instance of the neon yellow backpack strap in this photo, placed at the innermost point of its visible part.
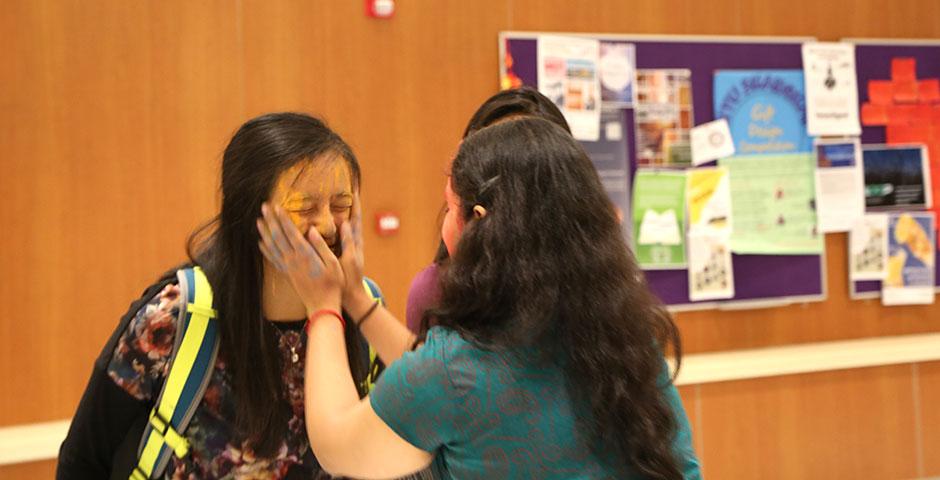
(374, 365)
(191, 364)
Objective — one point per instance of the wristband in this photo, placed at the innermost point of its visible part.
(368, 313)
(321, 312)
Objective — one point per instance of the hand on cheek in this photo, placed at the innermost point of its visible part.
(312, 268)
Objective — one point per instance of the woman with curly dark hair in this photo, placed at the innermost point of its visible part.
(546, 358)
(507, 104)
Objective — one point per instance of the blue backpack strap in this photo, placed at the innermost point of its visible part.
(375, 365)
(191, 364)
(373, 290)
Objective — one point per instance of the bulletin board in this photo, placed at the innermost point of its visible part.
(873, 62)
(759, 280)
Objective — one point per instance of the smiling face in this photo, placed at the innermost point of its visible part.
(317, 194)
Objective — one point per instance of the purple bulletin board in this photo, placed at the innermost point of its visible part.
(873, 62)
(759, 280)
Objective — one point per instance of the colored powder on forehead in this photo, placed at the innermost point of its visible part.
(324, 179)
(314, 180)
(341, 180)
(304, 185)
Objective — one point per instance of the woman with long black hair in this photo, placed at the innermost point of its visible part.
(546, 360)
(249, 421)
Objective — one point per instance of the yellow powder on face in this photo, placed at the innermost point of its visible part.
(309, 189)
(289, 197)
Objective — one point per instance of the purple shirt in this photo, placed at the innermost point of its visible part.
(424, 293)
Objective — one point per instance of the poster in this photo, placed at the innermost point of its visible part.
(773, 204)
(831, 89)
(896, 177)
(567, 73)
(617, 66)
(663, 118)
(766, 110)
(708, 197)
(711, 141)
(708, 194)
(711, 276)
(609, 155)
(868, 247)
(840, 185)
(659, 219)
(908, 108)
(911, 246)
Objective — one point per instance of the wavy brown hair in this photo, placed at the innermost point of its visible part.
(513, 103)
(548, 268)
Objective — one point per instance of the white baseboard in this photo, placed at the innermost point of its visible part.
(808, 358)
(32, 442)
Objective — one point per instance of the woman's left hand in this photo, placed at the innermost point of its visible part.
(312, 268)
(355, 299)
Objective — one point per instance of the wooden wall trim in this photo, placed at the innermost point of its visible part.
(40, 441)
(662, 37)
(32, 442)
(808, 358)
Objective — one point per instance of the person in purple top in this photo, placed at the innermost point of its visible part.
(507, 104)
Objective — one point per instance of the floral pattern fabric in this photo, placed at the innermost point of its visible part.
(140, 366)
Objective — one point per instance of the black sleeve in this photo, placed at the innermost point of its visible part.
(105, 432)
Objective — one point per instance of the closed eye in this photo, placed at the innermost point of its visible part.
(304, 211)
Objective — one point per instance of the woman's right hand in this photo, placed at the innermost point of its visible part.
(313, 270)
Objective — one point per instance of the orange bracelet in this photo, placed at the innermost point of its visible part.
(324, 311)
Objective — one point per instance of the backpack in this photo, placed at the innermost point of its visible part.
(191, 363)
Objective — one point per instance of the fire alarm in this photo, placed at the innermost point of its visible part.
(387, 223)
(380, 8)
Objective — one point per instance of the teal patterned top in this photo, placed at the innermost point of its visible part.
(485, 414)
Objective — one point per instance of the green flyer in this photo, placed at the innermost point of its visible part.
(659, 219)
(773, 203)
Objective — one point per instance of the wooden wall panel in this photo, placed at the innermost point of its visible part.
(929, 389)
(380, 74)
(643, 16)
(112, 126)
(113, 117)
(692, 405)
(845, 424)
(28, 471)
(842, 18)
(282, 56)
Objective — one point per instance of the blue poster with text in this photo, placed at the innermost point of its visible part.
(766, 110)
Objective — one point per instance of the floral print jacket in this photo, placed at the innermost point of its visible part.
(140, 365)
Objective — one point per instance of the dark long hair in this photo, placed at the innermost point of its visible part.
(548, 268)
(516, 102)
(227, 249)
